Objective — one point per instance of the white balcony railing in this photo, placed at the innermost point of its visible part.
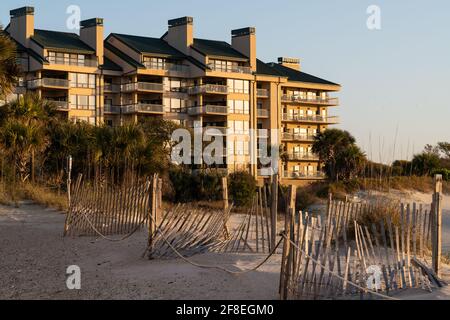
(303, 156)
(210, 130)
(142, 86)
(173, 67)
(230, 69)
(208, 88)
(72, 62)
(112, 109)
(60, 105)
(115, 88)
(304, 176)
(263, 113)
(49, 83)
(209, 109)
(297, 136)
(262, 93)
(310, 100)
(313, 118)
(143, 108)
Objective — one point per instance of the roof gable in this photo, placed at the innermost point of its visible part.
(61, 41)
(147, 45)
(220, 49)
(299, 76)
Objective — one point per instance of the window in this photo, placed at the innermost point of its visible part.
(239, 106)
(82, 80)
(239, 86)
(239, 127)
(82, 102)
(154, 63)
(66, 58)
(175, 85)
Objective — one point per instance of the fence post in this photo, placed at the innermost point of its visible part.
(69, 179)
(274, 211)
(226, 206)
(152, 219)
(437, 225)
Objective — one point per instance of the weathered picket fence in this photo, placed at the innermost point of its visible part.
(344, 255)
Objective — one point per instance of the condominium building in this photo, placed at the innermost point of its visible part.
(194, 82)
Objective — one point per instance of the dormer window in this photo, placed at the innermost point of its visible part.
(154, 63)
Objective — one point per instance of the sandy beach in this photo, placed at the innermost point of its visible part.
(35, 256)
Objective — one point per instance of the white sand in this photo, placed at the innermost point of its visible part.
(34, 257)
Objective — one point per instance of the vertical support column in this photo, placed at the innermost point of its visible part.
(152, 219)
(437, 225)
(274, 211)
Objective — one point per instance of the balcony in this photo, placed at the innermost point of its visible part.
(208, 88)
(143, 108)
(172, 67)
(263, 113)
(324, 101)
(60, 105)
(262, 93)
(290, 136)
(49, 83)
(310, 119)
(303, 157)
(112, 88)
(208, 110)
(209, 132)
(112, 109)
(304, 176)
(143, 86)
(230, 69)
(72, 62)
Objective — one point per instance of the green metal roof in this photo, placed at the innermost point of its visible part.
(110, 65)
(123, 56)
(220, 49)
(146, 45)
(264, 69)
(62, 41)
(31, 52)
(298, 76)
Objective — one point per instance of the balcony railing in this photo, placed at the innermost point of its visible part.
(303, 156)
(209, 132)
(165, 66)
(60, 105)
(304, 176)
(143, 108)
(265, 172)
(297, 136)
(209, 109)
(72, 62)
(231, 69)
(142, 86)
(208, 88)
(262, 93)
(314, 118)
(263, 113)
(108, 87)
(112, 109)
(48, 83)
(326, 101)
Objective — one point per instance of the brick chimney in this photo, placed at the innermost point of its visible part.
(91, 33)
(292, 63)
(21, 27)
(244, 41)
(181, 34)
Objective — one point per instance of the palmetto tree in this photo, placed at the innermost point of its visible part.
(339, 154)
(9, 71)
(19, 141)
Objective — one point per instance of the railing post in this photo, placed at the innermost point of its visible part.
(437, 225)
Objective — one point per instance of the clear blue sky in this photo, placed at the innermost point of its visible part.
(395, 80)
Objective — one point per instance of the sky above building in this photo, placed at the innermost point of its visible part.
(395, 80)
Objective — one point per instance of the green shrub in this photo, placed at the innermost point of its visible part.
(444, 172)
(241, 188)
(305, 198)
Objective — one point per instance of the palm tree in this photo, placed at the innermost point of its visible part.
(328, 145)
(19, 141)
(9, 71)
